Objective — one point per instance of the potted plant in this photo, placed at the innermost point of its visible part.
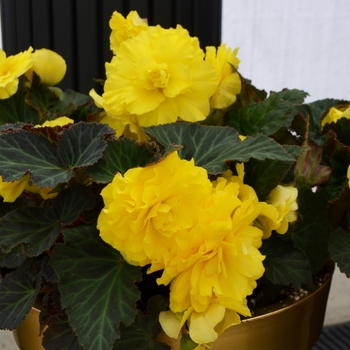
(178, 201)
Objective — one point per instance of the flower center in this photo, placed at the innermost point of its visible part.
(159, 76)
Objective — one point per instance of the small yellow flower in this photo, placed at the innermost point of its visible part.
(147, 208)
(348, 175)
(158, 77)
(10, 191)
(49, 65)
(125, 28)
(225, 62)
(334, 115)
(11, 68)
(284, 199)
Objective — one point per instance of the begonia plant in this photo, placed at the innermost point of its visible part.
(167, 203)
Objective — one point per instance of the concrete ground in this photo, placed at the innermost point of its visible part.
(338, 308)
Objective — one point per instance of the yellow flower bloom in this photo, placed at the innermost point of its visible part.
(61, 121)
(348, 175)
(10, 191)
(284, 199)
(49, 65)
(216, 263)
(148, 207)
(125, 28)
(157, 77)
(11, 68)
(334, 115)
(225, 62)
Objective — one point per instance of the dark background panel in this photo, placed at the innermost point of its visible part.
(79, 29)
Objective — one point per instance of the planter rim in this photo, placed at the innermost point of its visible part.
(288, 303)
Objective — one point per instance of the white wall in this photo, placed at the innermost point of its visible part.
(300, 44)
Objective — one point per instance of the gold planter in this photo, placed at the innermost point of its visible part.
(288, 325)
(27, 335)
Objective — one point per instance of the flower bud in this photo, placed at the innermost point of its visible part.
(49, 65)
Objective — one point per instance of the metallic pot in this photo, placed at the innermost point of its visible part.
(288, 325)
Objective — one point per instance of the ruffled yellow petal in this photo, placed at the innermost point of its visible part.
(202, 325)
(10, 191)
(11, 68)
(125, 28)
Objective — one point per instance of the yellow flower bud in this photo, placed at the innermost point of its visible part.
(284, 199)
(49, 65)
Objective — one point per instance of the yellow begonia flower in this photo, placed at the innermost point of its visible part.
(125, 28)
(284, 199)
(334, 115)
(217, 263)
(10, 191)
(225, 62)
(148, 207)
(157, 77)
(61, 121)
(49, 65)
(11, 68)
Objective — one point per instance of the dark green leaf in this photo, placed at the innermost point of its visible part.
(96, 302)
(316, 110)
(264, 175)
(294, 151)
(23, 151)
(141, 335)
(339, 156)
(212, 146)
(60, 335)
(83, 105)
(249, 93)
(6, 207)
(268, 116)
(121, 155)
(312, 231)
(285, 264)
(13, 258)
(71, 202)
(36, 228)
(341, 129)
(46, 101)
(187, 343)
(48, 272)
(82, 144)
(14, 109)
(18, 291)
(339, 247)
